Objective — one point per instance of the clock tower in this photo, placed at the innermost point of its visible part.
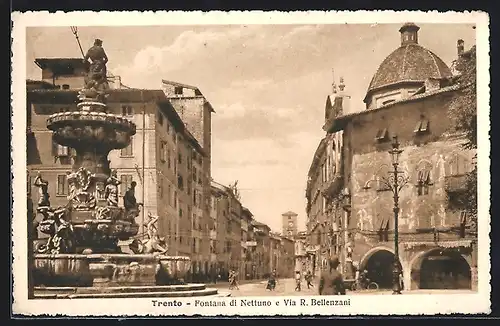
(289, 220)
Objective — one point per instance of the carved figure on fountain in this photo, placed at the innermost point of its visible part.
(154, 244)
(130, 203)
(56, 224)
(111, 192)
(43, 190)
(80, 181)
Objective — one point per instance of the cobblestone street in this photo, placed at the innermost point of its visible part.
(286, 287)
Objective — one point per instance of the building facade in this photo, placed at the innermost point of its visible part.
(409, 97)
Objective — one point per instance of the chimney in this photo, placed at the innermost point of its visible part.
(409, 34)
(460, 47)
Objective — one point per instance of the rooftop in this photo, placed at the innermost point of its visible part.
(338, 123)
(61, 65)
(410, 63)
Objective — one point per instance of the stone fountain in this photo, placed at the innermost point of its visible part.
(81, 257)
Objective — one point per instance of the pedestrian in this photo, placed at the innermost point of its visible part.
(331, 281)
(297, 281)
(309, 279)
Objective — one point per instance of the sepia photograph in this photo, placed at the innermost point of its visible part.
(222, 166)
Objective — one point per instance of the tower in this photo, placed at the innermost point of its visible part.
(289, 220)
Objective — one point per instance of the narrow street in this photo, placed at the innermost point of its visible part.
(286, 287)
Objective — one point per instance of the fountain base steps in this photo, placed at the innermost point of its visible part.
(165, 291)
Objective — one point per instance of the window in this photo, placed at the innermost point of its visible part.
(423, 182)
(383, 230)
(169, 194)
(178, 90)
(200, 178)
(168, 128)
(169, 165)
(127, 151)
(180, 182)
(174, 137)
(62, 151)
(382, 135)
(463, 223)
(126, 181)
(422, 126)
(127, 110)
(179, 158)
(194, 173)
(160, 118)
(175, 199)
(62, 185)
(163, 151)
(388, 102)
(180, 212)
(194, 198)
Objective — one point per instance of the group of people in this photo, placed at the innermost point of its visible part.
(331, 281)
(308, 277)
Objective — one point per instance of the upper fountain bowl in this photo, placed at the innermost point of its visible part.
(91, 128)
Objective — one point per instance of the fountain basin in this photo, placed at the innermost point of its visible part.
(109, 270)
(62, 270)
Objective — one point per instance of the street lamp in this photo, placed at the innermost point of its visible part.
(395, 182)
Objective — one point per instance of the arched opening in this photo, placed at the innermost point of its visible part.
(378, 265)
(443, 269)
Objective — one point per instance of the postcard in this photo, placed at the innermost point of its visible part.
(250, 163)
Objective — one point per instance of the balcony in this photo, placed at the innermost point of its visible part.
(332, 187)
(456, 183)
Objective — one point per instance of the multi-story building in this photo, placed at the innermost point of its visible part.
(289, 220)
(228, 221)
(262, 258)
(274, 251)
(165, 159)
(286, 263)
(195, 112)
(248, 244)
(300, 253)
(409, 97)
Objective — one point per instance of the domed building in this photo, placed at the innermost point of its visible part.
(404, 71)
(350, 208)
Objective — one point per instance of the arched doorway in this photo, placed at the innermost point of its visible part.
(444, 269)
(378, 263)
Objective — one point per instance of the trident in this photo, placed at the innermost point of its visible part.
(74, 29)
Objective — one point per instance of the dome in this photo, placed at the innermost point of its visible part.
(410, 63)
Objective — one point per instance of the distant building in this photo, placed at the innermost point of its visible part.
(289, 220)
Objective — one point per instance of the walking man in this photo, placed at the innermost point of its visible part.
(331, 281)
(309, 279)
(297, 281)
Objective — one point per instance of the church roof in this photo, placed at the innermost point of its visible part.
(410, 63)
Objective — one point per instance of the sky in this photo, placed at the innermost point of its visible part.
(267, 83)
